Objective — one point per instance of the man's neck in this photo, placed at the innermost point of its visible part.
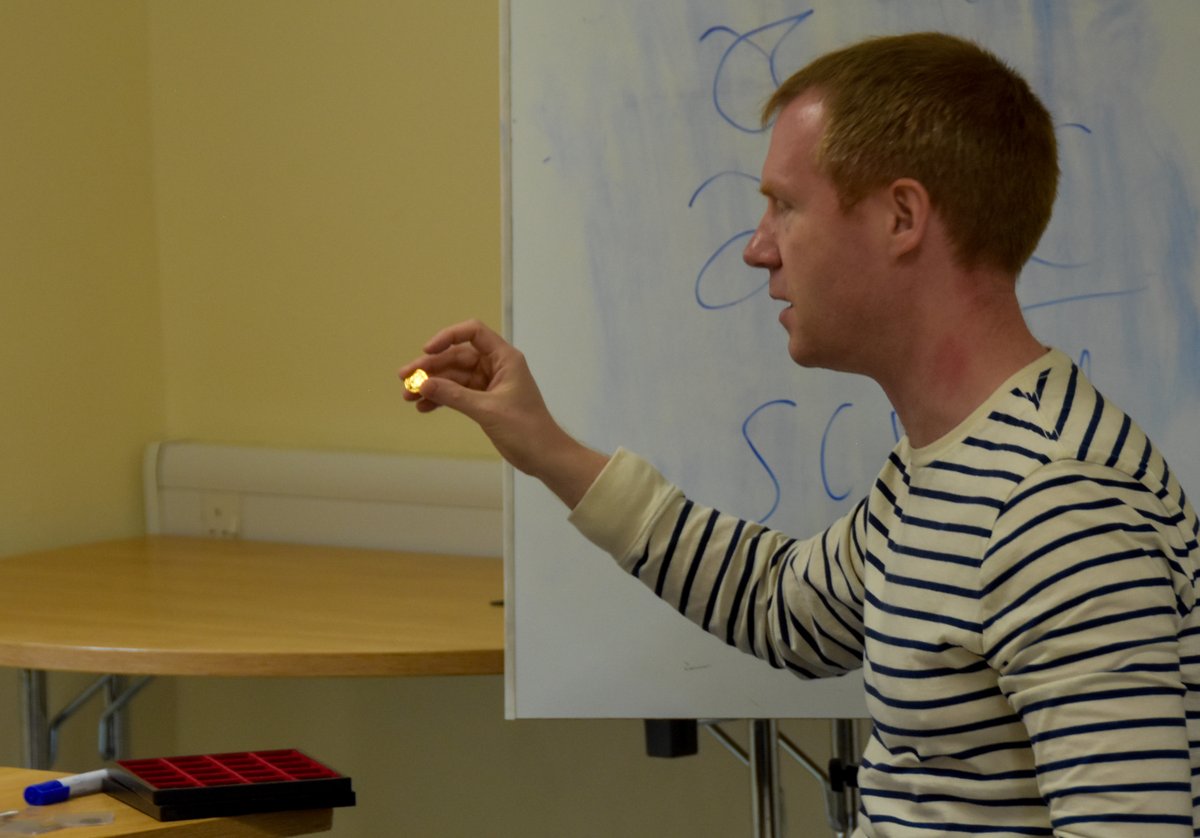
(960, 350)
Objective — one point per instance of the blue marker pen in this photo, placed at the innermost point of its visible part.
(56, 791)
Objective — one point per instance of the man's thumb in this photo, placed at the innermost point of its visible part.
(447, 393)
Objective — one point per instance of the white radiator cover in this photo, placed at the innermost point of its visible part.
(353, 499)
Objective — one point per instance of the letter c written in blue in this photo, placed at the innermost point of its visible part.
(824, 450)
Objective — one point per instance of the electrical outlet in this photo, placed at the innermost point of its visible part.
(222, 514)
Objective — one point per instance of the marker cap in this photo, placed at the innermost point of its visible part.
(43, 794)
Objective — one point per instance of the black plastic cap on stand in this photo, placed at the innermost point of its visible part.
(671, 737)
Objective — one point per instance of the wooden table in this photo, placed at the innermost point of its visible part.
(129, 821)
(190, 606)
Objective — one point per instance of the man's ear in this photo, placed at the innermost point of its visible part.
(909, 212)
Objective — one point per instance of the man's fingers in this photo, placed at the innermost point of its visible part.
(473, 332)
(462, 361)
(459, 363)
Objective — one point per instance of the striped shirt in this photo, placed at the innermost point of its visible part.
(1020, 595)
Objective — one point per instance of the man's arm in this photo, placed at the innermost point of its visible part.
(1083, 604)
(476, 372)
(795, 604)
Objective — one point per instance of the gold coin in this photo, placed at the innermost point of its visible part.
(413, 382)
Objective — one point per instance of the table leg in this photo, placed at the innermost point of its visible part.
(35, 725)
(112, 724)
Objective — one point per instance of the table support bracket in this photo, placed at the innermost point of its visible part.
(111, 735)
(41, 736)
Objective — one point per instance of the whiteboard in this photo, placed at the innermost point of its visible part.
(632, 155)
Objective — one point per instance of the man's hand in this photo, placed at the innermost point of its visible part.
(476, 372)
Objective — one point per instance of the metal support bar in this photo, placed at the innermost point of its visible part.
(40, 737)
(811, 767)
(70, 710)
(726, 741)
(35, 732)
(767, 804)
(841, 791)
(111, 720)
(111, 734)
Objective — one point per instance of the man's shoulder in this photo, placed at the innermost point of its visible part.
(1063, 422)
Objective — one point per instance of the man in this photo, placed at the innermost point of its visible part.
(1018, 585)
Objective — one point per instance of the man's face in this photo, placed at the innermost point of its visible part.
(819, 257)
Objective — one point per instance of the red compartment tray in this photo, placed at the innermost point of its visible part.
(222, 785)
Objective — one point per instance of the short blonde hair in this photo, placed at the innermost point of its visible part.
(949, 114)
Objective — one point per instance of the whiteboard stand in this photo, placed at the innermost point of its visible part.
(766, 807)
(841, 792)
(838, 782)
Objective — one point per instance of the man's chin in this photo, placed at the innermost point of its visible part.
(802, 355)
(812, 356)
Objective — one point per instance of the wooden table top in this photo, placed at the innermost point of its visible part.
(129, 821)
(166, 605)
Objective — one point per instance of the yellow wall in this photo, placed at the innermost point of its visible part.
(231, 220)
(327, 179)
(80, 334)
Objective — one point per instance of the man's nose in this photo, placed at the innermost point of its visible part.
(760, 252)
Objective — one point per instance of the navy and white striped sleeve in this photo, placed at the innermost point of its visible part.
(796, 604)
(1084, 601)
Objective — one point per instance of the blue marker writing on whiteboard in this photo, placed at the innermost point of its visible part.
(56, 791)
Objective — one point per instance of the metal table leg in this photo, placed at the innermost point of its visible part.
(35, 728)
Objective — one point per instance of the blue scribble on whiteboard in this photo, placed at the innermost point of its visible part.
(742, 42)
(824, 447)
(758, 456)
(728, 173)
(1062, 266)
(1095, 295)
(744, 234)
(1069, 158)
(703, 298)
